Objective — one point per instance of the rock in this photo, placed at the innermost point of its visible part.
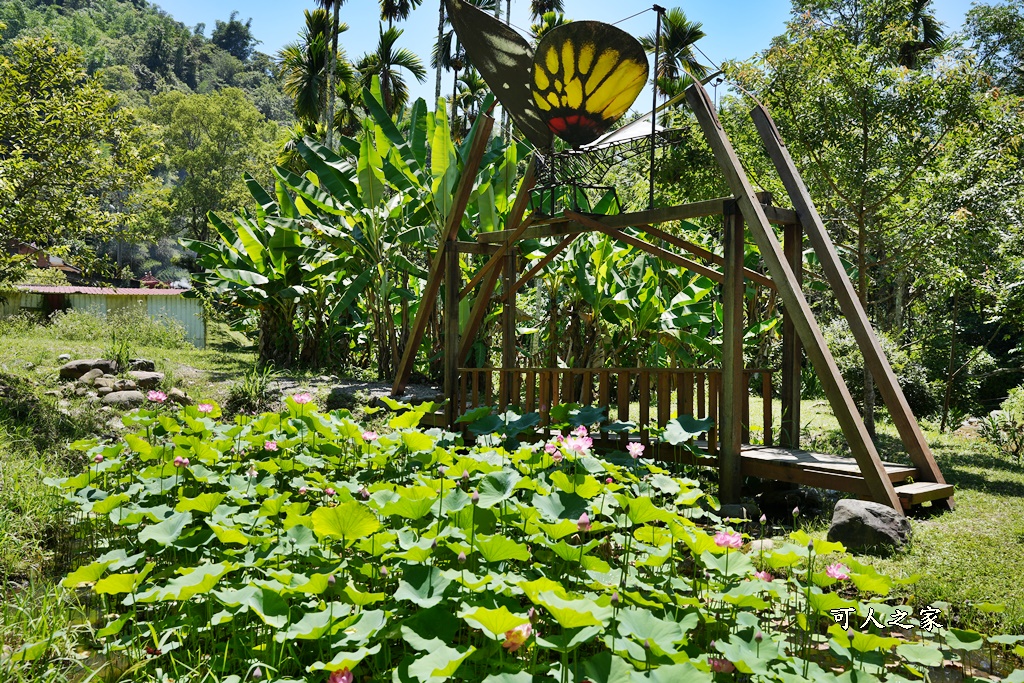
(51, 392)
(863, 526)
(141, 364)
(146, 379)
(76, 368)
(93, 398)
(178, 396)
(124, 398)
(761, 545)
(125, 385)
(64, 357)
(777, 505)
(81, 391)
(89, 377)
(103, 382)
(107, 375)
(103, 391)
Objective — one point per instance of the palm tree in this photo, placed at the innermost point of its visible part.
(927, 35)
(305, 65)
(447, 54)
(471, 92)
(385, 63)
(676, 59)
(547, 21)
(397, 10)
(332, 85)
(538, 8)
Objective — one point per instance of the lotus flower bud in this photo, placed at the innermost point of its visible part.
(98, 459)
(475, 498)
(759, 636)
(462, 557)
(331, 580)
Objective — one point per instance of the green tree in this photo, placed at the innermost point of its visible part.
(209, 142)
(234, 37)
(866, 130)
(538, 8)
(676, 58)
(71, 161)
(386, 63)
(997, 34)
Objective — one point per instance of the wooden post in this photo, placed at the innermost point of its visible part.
(878, 483)
(460, 200)
(508, 327)
(452, 282)
(734, 388)
(910, 432)
(791, 351)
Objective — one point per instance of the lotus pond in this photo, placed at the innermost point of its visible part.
(300, 547)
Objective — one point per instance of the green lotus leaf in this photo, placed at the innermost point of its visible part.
(497, 487)
(228, 535)
(116, 584)
(733, 563)
(560, 529)
(204, 502)
(560, 505)
(315, 625)
(749, 656)
(604, 667)
(674, 673)
(441, 662)
(925, 655)
(110, 503)
(495, 621)
(345, 660)
(350, 521)
(89, 573)
(167, 531)
(568, 640)
(521, 677)
(641, 625)
(359, 598)
(406, 420)
(501, 548)
(413, 504)
(640, 510)
(574, 613)
(582, 485)
(422, 585)
(417, 441)
(964, 640)
(195, 581)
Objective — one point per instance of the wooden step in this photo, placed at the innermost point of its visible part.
(922, 491)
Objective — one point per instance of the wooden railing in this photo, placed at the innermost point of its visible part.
(648, 396)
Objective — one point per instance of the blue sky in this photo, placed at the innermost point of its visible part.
(735, 29)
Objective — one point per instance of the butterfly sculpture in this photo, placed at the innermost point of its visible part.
(581, 79)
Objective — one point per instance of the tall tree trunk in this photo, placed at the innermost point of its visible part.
(332, 85)
(862, 286)
(440, 37)
(950, 374)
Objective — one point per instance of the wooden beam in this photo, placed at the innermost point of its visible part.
(515, 217)
(780, 216)
(791, 351)
(703, 253)
(647, 246)
(555, 251)
(849, 302)
(477, 248)
(710, 207)
(734, 388)
(489, 273)
(792, 297)
(459, 202)
(452, 280)
(508, 327)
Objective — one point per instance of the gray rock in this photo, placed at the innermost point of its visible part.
(146, 379)
(76, 368)
(107, 375)
(51, 392)
(89, 377)
(178, 396)
(124, 398)
(64, 357)
(866, 527)
(103, 382)
(747, 511)
(141, 364)
(124, 385)
(103, 391)
(81, 391)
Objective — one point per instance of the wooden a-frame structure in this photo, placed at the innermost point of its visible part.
(719, 393)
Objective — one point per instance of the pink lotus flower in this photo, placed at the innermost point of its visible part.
(270, 445)
(550, 448)
(179, 461)
(252, 472)
(303, 398)
(579, 444)
(329, 492)
(728, 539)
(97, 459)
(370, 435)
(721, 666)
(558, 456)
(635, 448)
(515, 638)
(608, 480)
(341, 676)
(580, 431)
(302, 490)
(583, 524)
(764, 576)
(205, 408)
(156, 396)
(837, 571)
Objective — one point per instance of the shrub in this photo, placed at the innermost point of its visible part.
(297, 545)
(132, 326)
(254, 392)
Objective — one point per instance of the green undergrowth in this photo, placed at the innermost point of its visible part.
(297, 546)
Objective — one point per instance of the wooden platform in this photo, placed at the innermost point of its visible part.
(835, 472)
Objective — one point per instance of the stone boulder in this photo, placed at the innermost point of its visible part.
(103, 391)
(103, 382)
(146, 379)
(178, 396)
(64, 357)
(125, 385)
(91, 376)
(141, 364)
(76, 368)
(124, 398)
(866, 527)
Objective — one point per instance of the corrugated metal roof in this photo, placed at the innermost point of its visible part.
(112, 291)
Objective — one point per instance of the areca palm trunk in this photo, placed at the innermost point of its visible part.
(440, 39)
(332, 86)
